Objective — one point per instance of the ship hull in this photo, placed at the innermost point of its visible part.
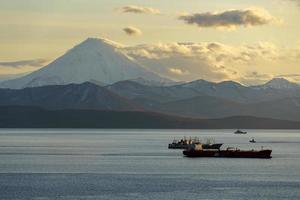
(229, 153)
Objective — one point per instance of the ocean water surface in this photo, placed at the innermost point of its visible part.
(73, 164)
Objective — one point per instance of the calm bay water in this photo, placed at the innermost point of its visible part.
(76, 164)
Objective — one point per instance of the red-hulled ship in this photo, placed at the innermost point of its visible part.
(198, 151)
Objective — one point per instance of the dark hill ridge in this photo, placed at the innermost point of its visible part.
(212, 107)
(73, 96)
(202, 107)
(33, 117)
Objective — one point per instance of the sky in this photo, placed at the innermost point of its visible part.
(241, 40)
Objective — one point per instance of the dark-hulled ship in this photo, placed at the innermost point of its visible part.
(186, 143)
(199, 151)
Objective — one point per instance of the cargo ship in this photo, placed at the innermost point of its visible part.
(186, 143)
(199, 151)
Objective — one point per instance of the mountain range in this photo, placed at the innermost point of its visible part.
(201, 100)
(96, 76)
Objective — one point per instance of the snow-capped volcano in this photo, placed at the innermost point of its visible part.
(94, 59)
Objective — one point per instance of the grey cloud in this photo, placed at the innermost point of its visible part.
(21, 63)
(229, 19)
(130, 30)
(139, 10)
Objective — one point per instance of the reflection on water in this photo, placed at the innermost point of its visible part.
(136, 164)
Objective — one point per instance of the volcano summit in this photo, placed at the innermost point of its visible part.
(98, 60)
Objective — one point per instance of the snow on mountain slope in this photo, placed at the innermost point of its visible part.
(278, 83)
(94, 59)
(162, 83)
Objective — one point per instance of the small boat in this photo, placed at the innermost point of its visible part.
(198, 151)
(240, 132)
(252, 140)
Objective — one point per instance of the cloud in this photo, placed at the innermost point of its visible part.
(140, 10)
(14, 69)
(288, 75)
(255, 78)
(250, 64)
(230, 19)
(214, 61)
(22, 63)
(132, 31)
(192, 60)
(178, 71)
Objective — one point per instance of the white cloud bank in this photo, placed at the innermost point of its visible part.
(214, 61)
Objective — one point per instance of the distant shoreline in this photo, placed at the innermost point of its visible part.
(35, 117)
